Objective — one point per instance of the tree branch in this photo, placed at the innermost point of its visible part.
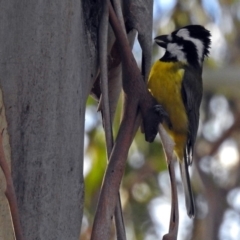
(10, 193)
(103, 40)
(136, 95)
(103, 36)
(133, 84)
(225, 135)
(118, 10)
(113, 176)
(216, 210)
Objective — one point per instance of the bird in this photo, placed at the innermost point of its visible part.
(175, 81)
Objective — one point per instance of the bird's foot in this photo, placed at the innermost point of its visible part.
(163, 114)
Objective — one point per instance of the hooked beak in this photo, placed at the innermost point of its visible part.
(162, 40)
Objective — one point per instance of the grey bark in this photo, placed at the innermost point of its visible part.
(48, 62)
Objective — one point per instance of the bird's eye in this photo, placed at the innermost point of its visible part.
(178, 39)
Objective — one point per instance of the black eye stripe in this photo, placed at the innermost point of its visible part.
(190, 50)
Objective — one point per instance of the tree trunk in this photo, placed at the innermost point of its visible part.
(47, 67)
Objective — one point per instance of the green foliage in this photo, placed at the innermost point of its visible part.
(97, 154)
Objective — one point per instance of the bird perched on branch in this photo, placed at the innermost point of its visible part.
(175, 81)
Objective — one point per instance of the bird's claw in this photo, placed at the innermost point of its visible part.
(163, 114)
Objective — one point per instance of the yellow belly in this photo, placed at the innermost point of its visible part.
(164, 83)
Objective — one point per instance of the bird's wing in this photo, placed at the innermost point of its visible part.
(192, 95)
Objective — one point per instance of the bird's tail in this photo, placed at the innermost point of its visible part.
(187, 187)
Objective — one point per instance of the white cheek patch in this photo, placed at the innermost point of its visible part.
(176, 51)
(169, 37)
(184, 33)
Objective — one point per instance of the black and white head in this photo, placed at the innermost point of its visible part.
(189, 44)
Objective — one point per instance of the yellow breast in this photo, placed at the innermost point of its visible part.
(164, 83)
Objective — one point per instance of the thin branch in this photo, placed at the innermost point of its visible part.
(136, 95)
(103, 36)
(236, 125)
(118, 10)
(174, 219)
(119, 221)
(103, 40)
(10, 193)
(206, 179)
(133, 84)
(114, 173)
(216, 210)
(168, 147)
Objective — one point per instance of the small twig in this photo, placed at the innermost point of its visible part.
(168, 147)
(174, 220)
(118, 10)
(119, 221)
(103, 36)
(216, 210)
(206, 179)
(10, 194)
(215, 146)
(225, 135)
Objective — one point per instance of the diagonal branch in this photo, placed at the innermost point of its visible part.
(113, 176)
(133, 84)
(118, 10)
(10, 193)
(236, 125)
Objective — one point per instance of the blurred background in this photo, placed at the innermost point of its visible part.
(145, 189)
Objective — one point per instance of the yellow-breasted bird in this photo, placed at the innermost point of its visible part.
(175, 81)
